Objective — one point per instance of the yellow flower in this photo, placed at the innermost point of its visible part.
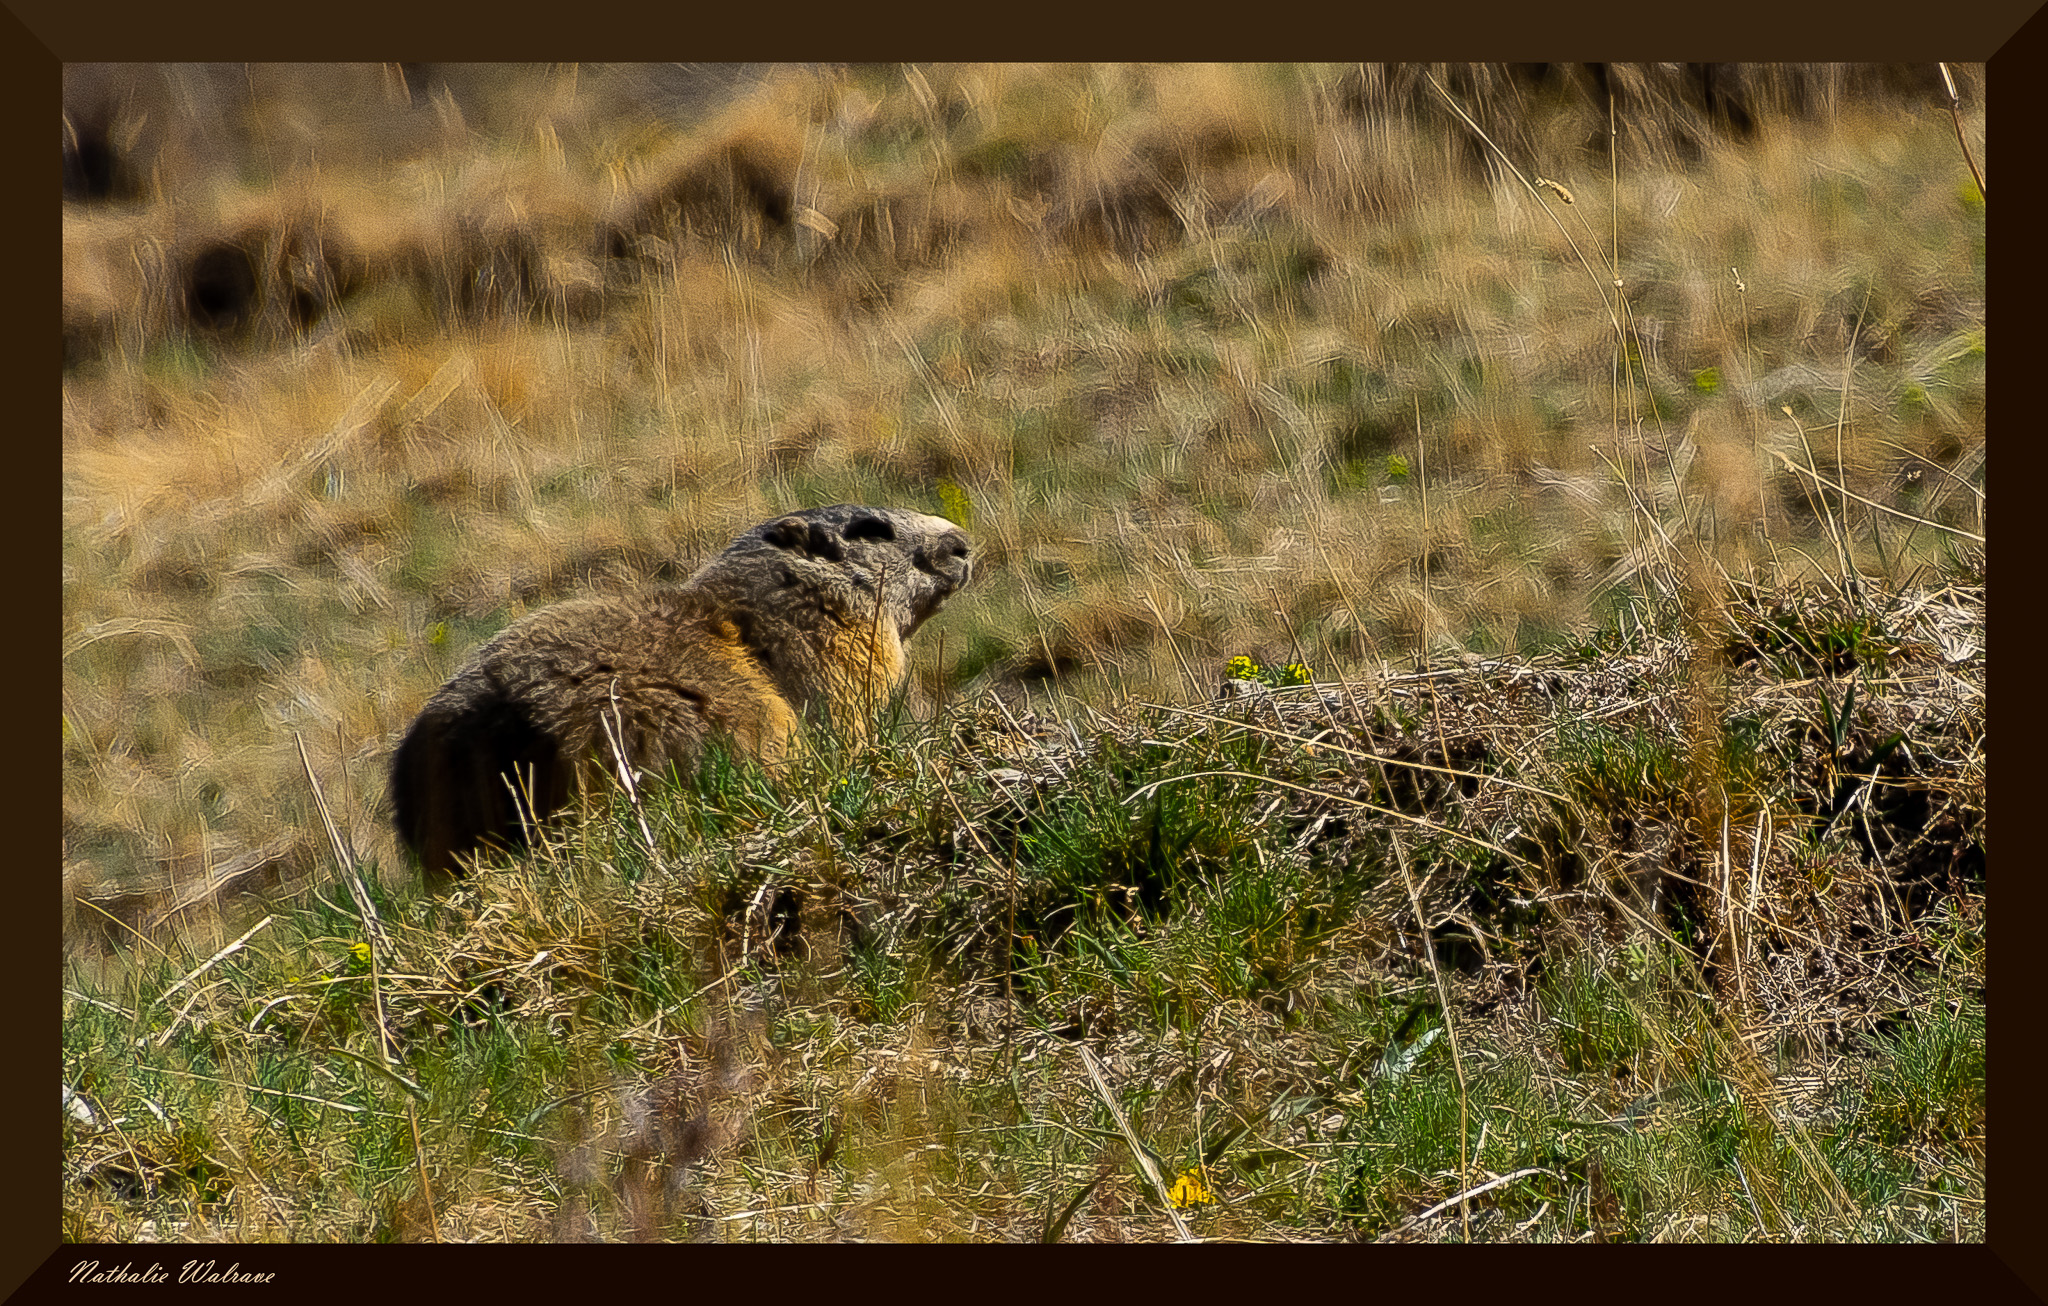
(1189, 1190)
(360, 952)
(1243, 668)
(954, 505)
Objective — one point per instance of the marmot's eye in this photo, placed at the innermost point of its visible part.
(870, 528)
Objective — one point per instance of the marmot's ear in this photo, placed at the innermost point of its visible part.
(870, 528)
(800, 536)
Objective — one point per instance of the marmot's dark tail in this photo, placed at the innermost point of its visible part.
(453, 777)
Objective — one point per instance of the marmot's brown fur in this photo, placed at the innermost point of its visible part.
(803, 616)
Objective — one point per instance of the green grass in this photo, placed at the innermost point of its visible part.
(845, 1005)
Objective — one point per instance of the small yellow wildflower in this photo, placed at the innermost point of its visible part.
(954, 505)
(1189, 1190)
(360, 952)
(1243, 668)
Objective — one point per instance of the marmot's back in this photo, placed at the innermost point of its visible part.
(803, 616)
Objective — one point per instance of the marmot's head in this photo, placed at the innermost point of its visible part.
(854, 558)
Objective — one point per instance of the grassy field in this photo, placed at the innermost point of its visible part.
(1474, 680)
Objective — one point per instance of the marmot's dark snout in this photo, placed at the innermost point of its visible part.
(948, 558)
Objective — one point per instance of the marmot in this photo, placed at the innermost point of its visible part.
(803, 616)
